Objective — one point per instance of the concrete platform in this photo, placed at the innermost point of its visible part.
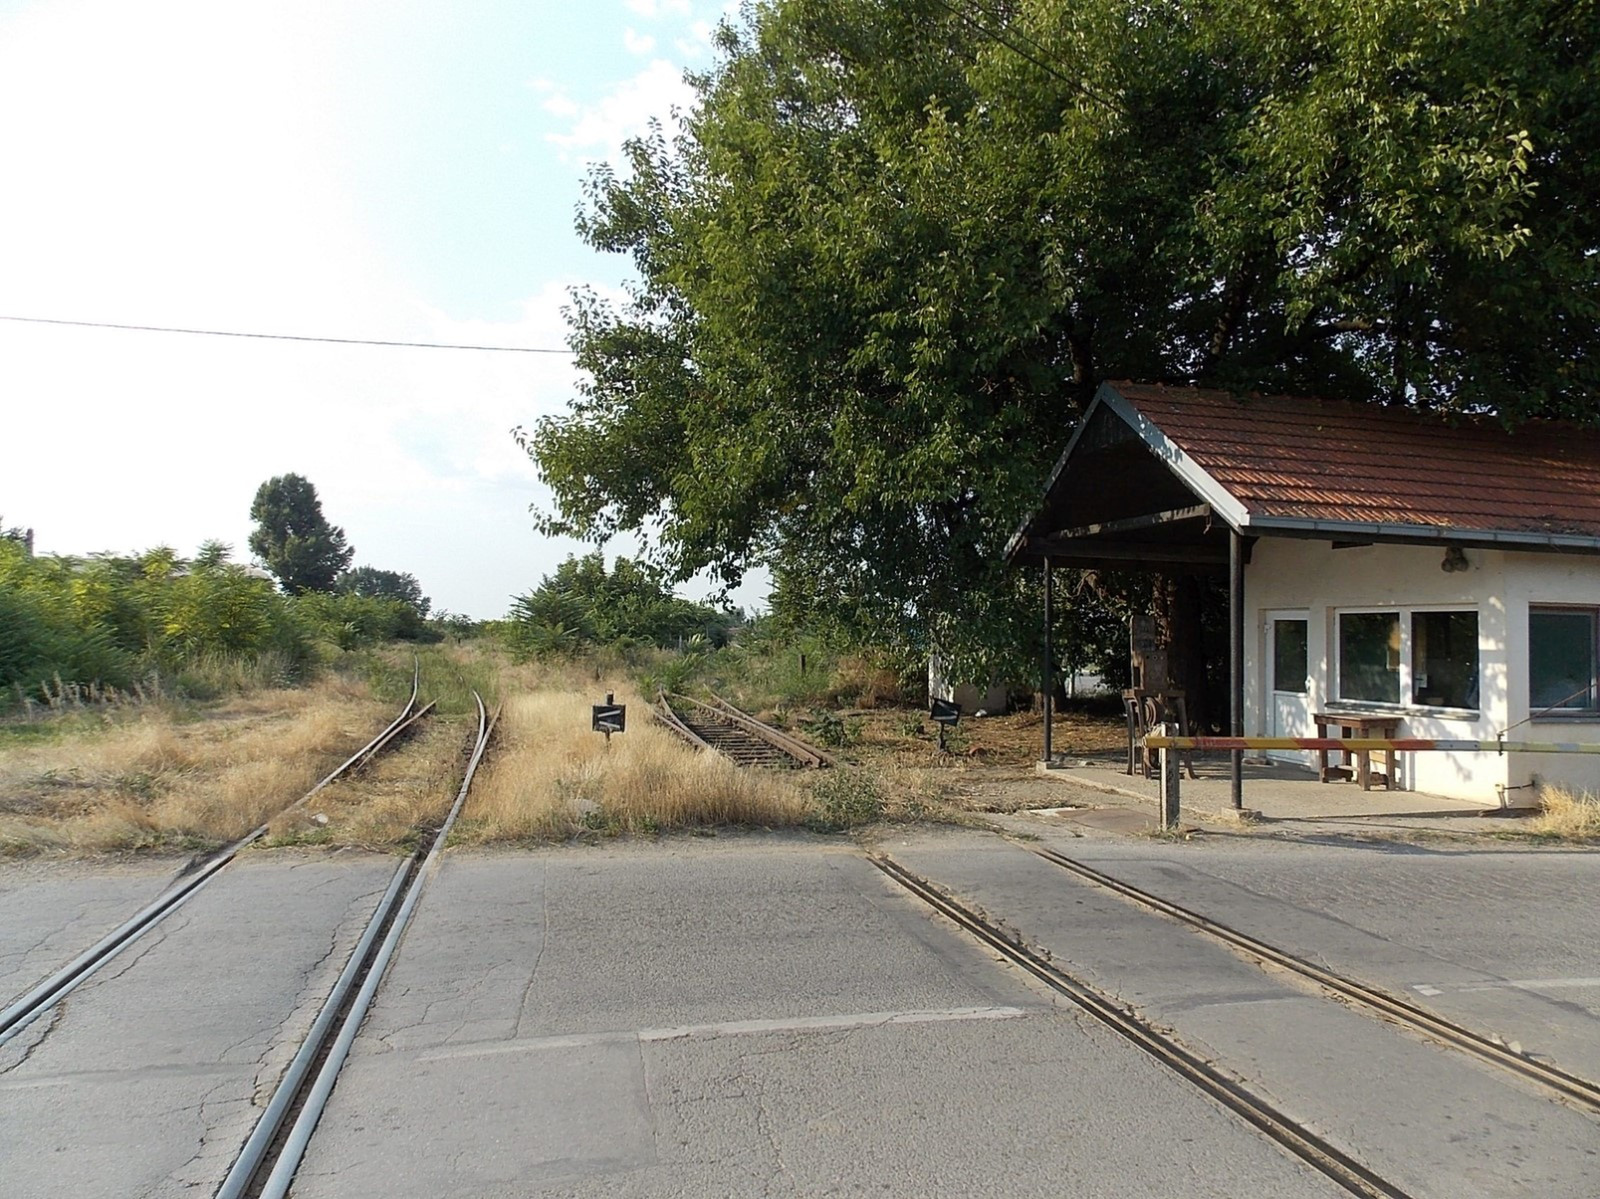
(1278, 794)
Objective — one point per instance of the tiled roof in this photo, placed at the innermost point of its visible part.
(1291, 459)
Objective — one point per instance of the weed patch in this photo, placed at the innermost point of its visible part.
(550, 777)
(1567, 815)
(845, 799)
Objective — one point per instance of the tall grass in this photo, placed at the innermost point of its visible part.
(405, 789)
(1567, 814)
(166, 777)
(549, 777)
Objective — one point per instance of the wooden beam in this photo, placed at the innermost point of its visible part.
(1131, 524)
(1154, 555)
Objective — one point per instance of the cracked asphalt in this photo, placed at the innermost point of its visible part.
(742, 1016)
(146, 1079)
(758, 1015)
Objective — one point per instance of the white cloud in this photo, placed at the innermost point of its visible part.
(698, 43)
(177, 167)
(638, 43)
(653, 9)
(178, 163)
(562, 105)
(627, 109)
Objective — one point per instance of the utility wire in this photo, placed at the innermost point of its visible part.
(961, 14)
(341, 341)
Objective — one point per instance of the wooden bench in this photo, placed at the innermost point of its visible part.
(1352, 724)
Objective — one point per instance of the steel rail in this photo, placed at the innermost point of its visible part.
(725, 714)
(670, 720)
(1581, 1091)
(1232, 1093)
(272, 1154)
(793, 746)
(46, 993)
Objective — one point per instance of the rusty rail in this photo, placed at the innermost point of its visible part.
(725, 729)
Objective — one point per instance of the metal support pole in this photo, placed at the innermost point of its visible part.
(1236, 660)
(1049, 679)
(1171, 772)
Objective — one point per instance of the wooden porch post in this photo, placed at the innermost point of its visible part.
(1236, 659)
(1049, 682)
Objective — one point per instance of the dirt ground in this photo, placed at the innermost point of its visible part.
(988, 762)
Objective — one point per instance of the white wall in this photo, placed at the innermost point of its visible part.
(1311, 575)
(1547, 579)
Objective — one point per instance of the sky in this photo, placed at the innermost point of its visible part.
(401, 170)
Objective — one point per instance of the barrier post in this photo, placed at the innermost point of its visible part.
(1171, 771)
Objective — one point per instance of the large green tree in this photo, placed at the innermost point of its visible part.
(896, 245)
(583, 603)
(385, 584)
(293, 538)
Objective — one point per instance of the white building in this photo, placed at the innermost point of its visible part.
(1388, 564)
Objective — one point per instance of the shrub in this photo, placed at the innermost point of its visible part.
(845, 799)
(828, 728)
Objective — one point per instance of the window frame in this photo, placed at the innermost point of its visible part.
(1590, 714)
(1477, 658)
(1406, 669)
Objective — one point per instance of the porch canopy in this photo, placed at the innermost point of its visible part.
(1183, 480)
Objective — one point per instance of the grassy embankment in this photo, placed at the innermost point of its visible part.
(181, 775)
(170, 775)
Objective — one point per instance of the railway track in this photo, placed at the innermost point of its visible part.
(44, 995)
(266, 1164)
(1370, 1000)
(1231, 1092)
(722, 728)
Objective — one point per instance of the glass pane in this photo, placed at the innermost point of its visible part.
(1289, 655)
(1444, 659)
(1369, 657)
(1561, 660)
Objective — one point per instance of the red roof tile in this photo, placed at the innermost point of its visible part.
(1293, 458)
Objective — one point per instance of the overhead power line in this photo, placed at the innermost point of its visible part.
(340, 341)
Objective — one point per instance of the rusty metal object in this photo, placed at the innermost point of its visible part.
(737, 735)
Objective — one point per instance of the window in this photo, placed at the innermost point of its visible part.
(1369, 657)
(1409, 657)
(1444, 659)
(1561, 659)
(1289, 656)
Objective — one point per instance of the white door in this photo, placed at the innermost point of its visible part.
(1288, 669)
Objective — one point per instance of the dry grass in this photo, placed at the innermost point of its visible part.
(905, 737)
(548, 777)
(159, 778)
(1562, 813)
(408, 787)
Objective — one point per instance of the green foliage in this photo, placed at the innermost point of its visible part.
(845, 799)
(830, 729)
(294, 539)
(111, 621)
(583, 604)
(886, 260)
(459, 627)
(353, 621)
(385, 584)
(207, 625)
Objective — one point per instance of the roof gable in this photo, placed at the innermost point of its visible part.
(1288, 461)
(1296, 466)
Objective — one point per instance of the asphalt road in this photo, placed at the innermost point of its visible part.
(146, 1079)
(766, 1015)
